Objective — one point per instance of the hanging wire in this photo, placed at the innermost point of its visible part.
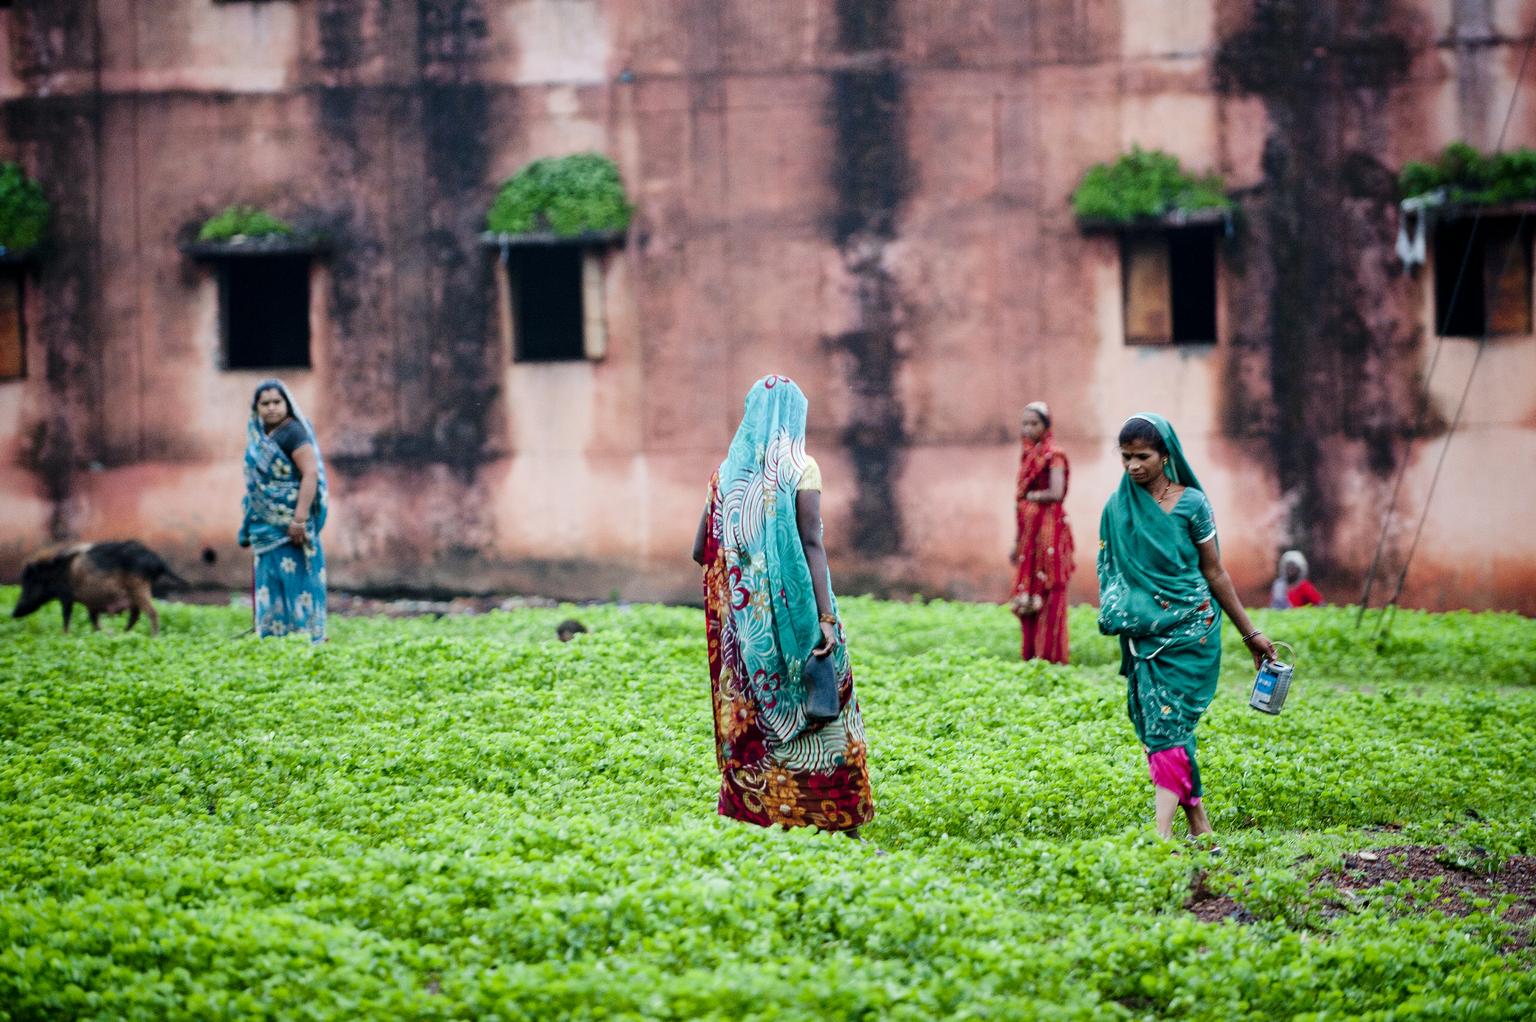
(1434, 361)
(1389, 611)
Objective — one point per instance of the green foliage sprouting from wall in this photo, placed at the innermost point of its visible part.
(1145, 183)
(23, 209)
(567, 195)
(1471, 177)
(243, 222)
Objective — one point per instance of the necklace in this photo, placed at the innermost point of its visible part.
(1160, 494)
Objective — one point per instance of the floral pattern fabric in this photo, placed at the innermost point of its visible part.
(288, 590)
(761, 623)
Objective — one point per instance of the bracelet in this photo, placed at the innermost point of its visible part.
(827, 619)
(1256, 631)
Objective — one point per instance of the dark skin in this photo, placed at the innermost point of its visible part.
(1033, 428)
(808, 523)
(274, 411)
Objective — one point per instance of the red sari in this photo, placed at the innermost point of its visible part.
(1045, 554)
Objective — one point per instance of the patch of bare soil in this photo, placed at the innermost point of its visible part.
(1460, 887)
(1211, 907)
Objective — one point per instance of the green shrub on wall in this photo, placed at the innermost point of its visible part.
(1144, 183)
(23, 209)
(1470, 177)
(243, 222)
(568, 195)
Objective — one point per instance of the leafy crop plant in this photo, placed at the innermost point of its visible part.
(465, 818)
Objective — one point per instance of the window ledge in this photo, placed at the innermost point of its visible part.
(1173, 219)
(1469, 210)
(495, 239)
(262, 246)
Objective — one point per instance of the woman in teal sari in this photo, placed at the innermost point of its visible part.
(768, 608)
(1159, 572)
(283, 512)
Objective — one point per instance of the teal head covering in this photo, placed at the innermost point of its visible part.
(272, 481)
(1149, 571)
(773, 605)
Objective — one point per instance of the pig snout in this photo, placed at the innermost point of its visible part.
(30, 600)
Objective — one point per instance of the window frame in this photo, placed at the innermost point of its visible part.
(1134, 268)
(1479, 226)
(16, 271)
(595, 248)
(216, 256)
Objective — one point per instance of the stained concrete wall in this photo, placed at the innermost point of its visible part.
(870, 197)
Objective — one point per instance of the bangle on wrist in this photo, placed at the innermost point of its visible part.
(1256, 631)
(827, 619)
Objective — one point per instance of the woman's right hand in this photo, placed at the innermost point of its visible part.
(1259, 645)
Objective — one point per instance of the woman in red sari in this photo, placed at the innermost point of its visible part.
(1043, 552)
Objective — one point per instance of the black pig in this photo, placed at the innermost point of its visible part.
(107, 578)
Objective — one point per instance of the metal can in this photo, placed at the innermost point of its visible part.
(1272, 684)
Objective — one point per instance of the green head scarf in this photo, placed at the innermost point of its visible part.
(773, 605)
(1149, 571)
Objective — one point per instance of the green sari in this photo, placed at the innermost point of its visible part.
(1153, 596)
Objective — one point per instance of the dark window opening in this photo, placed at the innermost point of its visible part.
(1192, 272)
(13, 328)
(546, 303)
(1170, 286)
(264, 311)
(1494, 297)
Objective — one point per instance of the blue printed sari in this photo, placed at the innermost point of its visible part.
(288, 591)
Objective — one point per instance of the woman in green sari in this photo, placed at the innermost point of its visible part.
(1159, 571)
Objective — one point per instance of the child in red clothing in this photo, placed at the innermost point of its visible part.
(1291, 587)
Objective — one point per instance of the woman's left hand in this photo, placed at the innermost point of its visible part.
(828, 639)
(1259, 645)
(296, 532)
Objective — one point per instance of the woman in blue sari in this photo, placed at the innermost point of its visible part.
(1160, 573)
(768, 609)
(284, 510)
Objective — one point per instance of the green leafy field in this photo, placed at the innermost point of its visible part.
(463, 818)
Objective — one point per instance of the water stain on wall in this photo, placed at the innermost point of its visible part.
(64, 136)
(871, 177)
(1337, 367)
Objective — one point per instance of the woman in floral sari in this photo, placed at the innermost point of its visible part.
(768, 606)
(1043, 551)
(1159, 570)
(284, 510)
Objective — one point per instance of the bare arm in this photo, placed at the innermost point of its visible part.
(1226, 595)
(1055, 492)
(309, 481)
(808, 520)
(700, 536)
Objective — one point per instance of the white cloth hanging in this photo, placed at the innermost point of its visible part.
(1412, 226)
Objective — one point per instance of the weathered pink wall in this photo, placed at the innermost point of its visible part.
(869, 197)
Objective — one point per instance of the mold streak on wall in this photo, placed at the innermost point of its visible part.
(1340, 364)
(871, 175)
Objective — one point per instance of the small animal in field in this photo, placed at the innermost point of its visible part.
(105, 578)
